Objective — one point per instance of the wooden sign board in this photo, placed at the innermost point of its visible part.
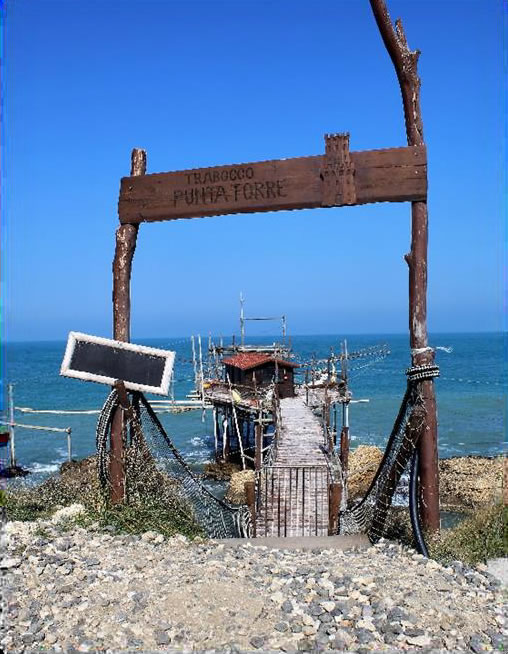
(392, 175)
(103, 360)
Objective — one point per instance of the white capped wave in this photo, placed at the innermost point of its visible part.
(44, 468)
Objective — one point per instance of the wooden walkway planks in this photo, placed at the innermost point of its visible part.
(301, 438)
(293, 493)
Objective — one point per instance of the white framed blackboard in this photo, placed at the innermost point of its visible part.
(103, 360)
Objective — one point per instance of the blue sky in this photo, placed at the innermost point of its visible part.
(218, 82)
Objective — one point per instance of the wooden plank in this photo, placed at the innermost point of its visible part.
(392, 175)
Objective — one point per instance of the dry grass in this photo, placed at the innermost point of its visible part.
(478, 538)
(155, 503)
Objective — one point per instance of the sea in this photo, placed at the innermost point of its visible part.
(471, 396)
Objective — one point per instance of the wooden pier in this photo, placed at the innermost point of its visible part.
(293, 491)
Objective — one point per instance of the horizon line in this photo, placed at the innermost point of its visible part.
(289, 336)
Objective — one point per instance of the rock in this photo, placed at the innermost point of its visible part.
(419, 641)
(363, 636)
(281, 626)
(149, 536)
(305, 645)
(9, 563)
(470, 481)
(390, 638)
(367, 611)
(67, 513)
(412, 632)
(391, 628)
(339, 643)
(478, 643)
(236, 491)
(257, 641)
(363, 464)
(287, 606)
(442, 586)
(396, 614)
(161, 638)
(277, 597)
(328, 606)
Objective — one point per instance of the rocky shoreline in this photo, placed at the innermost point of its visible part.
(71, 589)
(466, 482)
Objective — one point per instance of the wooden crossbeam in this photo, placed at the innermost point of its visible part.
(391, 175)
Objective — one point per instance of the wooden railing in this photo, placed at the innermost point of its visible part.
(292, 501)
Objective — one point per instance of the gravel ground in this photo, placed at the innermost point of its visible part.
(81, 590)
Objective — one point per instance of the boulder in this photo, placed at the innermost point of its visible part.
(236, 490)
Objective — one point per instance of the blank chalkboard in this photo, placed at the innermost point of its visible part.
(91, 358)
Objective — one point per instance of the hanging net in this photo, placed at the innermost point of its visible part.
(151, 462)
(389, 508)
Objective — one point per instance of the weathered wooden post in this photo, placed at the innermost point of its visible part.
(344, 437)
(12, 444)
(250, 497)
(405, 62)
(258, 449)
(216, 430)
(126, 237)
(328, 435)
(334, 498)
(225, 434)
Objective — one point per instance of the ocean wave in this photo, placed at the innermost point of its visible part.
(197, 456)
(44, 468)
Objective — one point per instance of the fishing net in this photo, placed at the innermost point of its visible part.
(151, 462)
(389, 508)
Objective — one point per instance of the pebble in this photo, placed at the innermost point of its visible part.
(79, 591)
(328, 606)
(419, 641)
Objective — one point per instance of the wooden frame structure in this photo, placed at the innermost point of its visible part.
(337, 178)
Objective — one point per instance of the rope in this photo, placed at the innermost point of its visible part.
(420, 373)
(421, 350)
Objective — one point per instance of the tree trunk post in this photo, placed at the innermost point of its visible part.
(405, 62)
(258, 429)
(126, 237)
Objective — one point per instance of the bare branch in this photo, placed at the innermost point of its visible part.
(405, 62)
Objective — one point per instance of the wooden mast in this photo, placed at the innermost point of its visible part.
(126, 237)
(405, 62)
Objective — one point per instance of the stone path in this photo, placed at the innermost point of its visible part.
(83, 590)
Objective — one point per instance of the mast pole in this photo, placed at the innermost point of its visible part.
(405, 62)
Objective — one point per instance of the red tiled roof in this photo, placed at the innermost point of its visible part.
(247, 360)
